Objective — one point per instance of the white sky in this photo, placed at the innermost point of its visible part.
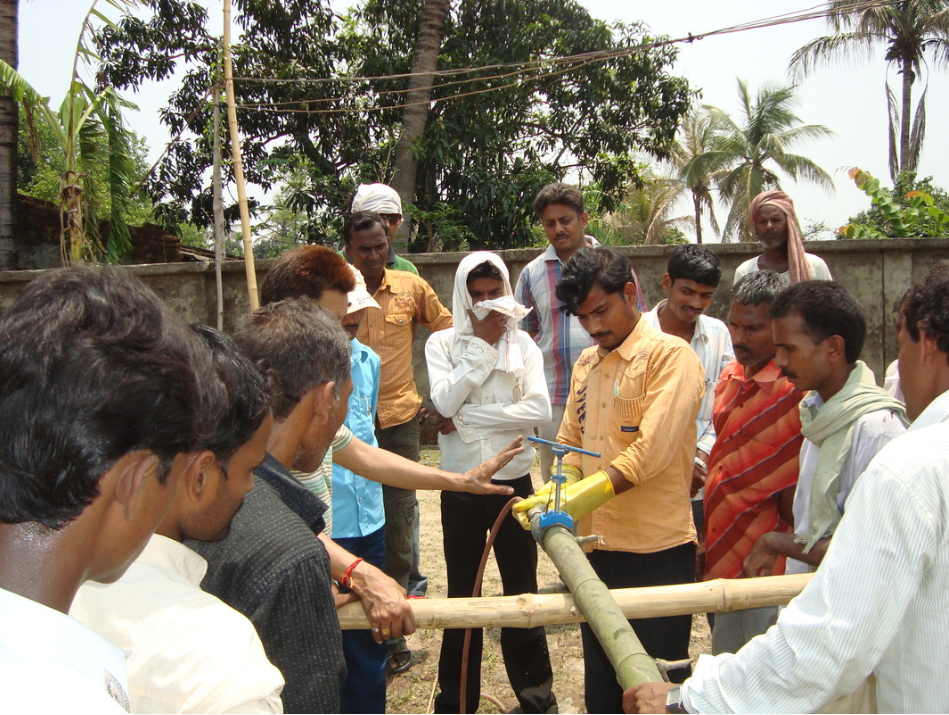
(850, 101)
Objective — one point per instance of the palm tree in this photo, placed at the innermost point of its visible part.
(912, 31)
(87, 127)
(696, 138)
(746, 154)
(645, 215)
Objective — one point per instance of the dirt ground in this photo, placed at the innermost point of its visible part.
(414, 691)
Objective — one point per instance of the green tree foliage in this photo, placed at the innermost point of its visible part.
(911, 209)
(493, 137)
(645, 214)
(696, 138)
(87, 128)
(914, 34)
(748, 152)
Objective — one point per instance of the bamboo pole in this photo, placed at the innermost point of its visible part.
(529, 610)
(633, 665)
(218, 202)
(238, 163)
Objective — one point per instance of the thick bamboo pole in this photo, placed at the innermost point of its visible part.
(633, 665)
(238, 163)
(529, 610)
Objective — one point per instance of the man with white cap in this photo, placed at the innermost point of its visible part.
(487, 379)
(385, 201)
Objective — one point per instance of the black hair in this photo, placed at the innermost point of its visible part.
(297, 345)
(484, 270)
(759, 287)
(247, 399)
(93, 367)
(361, 221)
(306, 272)
(696, 263)
(826, 308)
(926, 307)
(604, 267)
(559, 193)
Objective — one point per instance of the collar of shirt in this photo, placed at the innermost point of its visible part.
(301, 500)
(764, 378)
(175, 557)
(31, 631)
(937, 411)
(384, 284)
(390, 257)
(551, 255)
(629, 347)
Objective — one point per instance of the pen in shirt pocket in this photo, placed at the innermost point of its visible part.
(616, 388)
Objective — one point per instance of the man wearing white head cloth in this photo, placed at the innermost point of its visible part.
(385, 201)
(487, 380)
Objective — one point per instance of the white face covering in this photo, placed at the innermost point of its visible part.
(509, 352)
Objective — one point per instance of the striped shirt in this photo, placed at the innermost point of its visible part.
(559, 335)
(407, 302)
(320, 482)
(754, 459)
(712, 342)
(878, 603)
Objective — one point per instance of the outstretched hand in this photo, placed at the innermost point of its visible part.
(478, 480)
(383, 600)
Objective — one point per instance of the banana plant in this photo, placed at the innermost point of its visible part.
(87, 127)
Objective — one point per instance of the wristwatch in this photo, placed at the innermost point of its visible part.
(674, 701)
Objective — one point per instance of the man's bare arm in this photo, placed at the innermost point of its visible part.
(395, 471)
(760, 562)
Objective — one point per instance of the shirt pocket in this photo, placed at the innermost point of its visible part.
(626, 417)
(403, 320)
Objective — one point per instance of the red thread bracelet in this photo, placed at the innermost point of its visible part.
(347, 580)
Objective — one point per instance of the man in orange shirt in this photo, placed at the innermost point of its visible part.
(407, 302)
(634, 396)
(753, 465)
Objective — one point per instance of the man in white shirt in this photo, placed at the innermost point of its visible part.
(880, 600)
(90, 362)
(487, 380)
(819, 330)
(189, 652)
(772, 217)
(692, 275)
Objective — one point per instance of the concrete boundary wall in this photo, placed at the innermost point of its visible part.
(877, 272)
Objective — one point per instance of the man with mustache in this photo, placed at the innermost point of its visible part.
(818, 330)
(753, 464)
(774, 221)
(633, 399)
(559, 335)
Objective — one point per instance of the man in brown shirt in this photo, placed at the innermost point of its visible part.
(407, 302)
(634, 397)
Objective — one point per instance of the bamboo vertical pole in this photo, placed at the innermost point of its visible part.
(216, 189)
(238, 164)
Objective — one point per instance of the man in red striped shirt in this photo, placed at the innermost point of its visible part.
(753, 466)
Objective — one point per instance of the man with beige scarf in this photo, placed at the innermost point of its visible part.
(846, 418)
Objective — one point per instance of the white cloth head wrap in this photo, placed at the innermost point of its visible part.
(509, 351)
(377, 197)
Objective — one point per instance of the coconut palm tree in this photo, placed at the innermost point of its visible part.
(747, 154)
(87, 127)
(912, 33)
(696, 138)
(644, 216)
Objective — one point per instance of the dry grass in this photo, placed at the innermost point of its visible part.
(414, 690)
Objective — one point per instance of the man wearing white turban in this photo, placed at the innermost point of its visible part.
(385, 201)
(487, 380)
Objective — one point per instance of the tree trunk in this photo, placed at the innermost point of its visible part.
(906, 119)
(418, 98)
(8, 140)
(696, 202)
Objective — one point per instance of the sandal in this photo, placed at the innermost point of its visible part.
(398, 662)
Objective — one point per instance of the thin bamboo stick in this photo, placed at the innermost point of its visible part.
(218, 205)
(529, 610)
(238, 163)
